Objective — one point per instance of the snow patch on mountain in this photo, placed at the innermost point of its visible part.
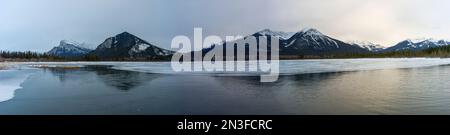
(311, 32)
(367, 45)
(418, 40)
(314, 37)
(138, 48)
(278, 34)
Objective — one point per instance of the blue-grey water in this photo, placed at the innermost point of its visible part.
(380, 86)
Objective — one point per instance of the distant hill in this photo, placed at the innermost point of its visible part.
(312, 42)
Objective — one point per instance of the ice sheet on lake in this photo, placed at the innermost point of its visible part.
(339, 65)
(148, 67)
(10, 81)
(286, 67)
(311, 66)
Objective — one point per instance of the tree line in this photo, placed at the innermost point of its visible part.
(28, 55)
(436, 52)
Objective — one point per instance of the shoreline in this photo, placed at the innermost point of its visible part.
(3, 65)
(6, 65)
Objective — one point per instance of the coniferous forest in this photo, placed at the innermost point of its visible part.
(437, 52)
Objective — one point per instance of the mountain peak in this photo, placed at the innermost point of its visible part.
(265, 30)
(310, 41)
(68, 42)
(367, 45)
(419, 40)
(277, 34)
(309, 32)
(125, 33)
(425, 40)
(67, 48)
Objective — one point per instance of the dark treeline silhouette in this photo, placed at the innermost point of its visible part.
(436, 52)
(26, 55)
(92, 57)
(35, 56)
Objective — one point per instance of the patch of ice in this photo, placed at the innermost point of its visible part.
(310, 66)
(286, 66)
(10, 81)
(340, 65)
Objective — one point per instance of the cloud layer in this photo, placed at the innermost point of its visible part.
(39, 25)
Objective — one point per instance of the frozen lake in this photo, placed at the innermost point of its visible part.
(338, 86)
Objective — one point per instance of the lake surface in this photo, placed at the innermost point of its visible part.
(351, 86)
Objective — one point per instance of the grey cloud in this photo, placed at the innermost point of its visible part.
(38, 25)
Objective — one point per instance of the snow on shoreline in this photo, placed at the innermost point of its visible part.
(8, 65)
(3, 65)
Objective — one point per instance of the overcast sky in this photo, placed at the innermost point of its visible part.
(38, 25)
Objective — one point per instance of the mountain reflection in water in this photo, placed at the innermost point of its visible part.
(120, 79)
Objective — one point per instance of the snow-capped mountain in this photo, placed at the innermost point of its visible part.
(126, 45)
(368, 45)
(68, 48)
(306, 42)
(312, 42)
(278, 34)
(417, 44)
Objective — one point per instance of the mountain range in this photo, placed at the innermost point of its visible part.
(126, 46)
(417, 45)
(68, 48)
(312, 42)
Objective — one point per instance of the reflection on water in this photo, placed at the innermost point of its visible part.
(103, 90)
(120, 79)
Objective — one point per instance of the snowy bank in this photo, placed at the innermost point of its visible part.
(10, 81)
